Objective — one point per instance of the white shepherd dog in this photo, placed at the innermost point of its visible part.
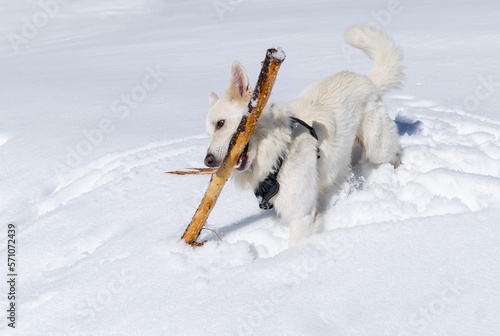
(300, 151)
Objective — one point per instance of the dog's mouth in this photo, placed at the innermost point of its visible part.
(241, 164)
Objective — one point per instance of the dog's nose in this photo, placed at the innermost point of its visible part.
(210, 160)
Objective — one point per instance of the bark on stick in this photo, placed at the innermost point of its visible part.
(260, 96)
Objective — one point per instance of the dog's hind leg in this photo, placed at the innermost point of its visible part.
(378, 134)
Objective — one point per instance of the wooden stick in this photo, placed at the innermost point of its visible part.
(240, 139)
(193, 171)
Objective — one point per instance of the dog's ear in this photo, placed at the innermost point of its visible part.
(238, 85)
(212, 97)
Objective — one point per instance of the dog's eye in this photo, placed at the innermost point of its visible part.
(220, 123)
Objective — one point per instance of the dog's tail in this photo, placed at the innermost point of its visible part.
(387, 72)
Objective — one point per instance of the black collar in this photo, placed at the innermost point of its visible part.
(269, 187)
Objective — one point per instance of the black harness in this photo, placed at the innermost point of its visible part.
(268, 188)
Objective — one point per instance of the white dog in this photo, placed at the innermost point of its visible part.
(300, 151)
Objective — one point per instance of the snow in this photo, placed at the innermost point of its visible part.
(101, 98)
(280, 54)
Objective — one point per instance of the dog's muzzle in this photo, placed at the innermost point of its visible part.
(210, 161)
(241, 164)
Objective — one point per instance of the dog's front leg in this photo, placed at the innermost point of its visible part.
(297, 208)
(300, 228)
(297, 199)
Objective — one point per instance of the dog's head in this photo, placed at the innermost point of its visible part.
(224, 117)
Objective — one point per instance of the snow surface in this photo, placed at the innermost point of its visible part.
(101, 97)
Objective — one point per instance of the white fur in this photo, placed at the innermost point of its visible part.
(345, 109)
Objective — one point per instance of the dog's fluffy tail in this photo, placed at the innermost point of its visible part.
(387, 71)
